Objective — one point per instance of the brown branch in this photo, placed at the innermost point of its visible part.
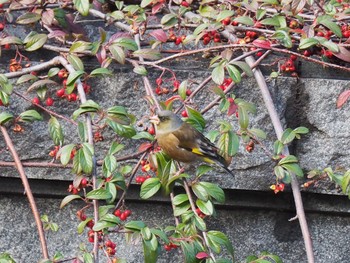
(28, 191)
(279, 131)
(46, 109)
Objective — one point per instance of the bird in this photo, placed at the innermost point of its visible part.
(183, 143)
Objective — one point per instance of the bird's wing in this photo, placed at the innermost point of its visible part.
(194, 141)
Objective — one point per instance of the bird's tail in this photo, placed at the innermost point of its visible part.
(220, 161)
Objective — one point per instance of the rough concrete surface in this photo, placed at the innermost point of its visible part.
(251, 232)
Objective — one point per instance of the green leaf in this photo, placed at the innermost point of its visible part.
(145, 3)
(258, 133)
(80, 46)
(181, 209)
(180, 199)
(200, 192)
(55, 130)
(88, 258)
(117, 53)
(28, 18)
(223, 14)
(109, 164)
(82, 225)
(151, 250)
(218, 74)
(65, 153)
(214, 191)
(306, 43)
(53, 72)
(278, 147)
(149, 188)
(147, 53)
(41, 84)
(30, 115)
(26, 78)
(122, 130)
(293, 168)
(245, 20)
(279, 172)
(75, 61)
(202, 169)
(243, 118)
(35, 41)
(10, 40)
(68, 199)
(328, 22)
(229, 143)
(288, 159)
(195, 119)
(219, 238)
(134, 225)
(73, 76)
(127, 43)
(99, 194)
(143, 135)
(283, 37)
(5, 85)
(100, 225)
(82, 131)
(271, 21)
(205, 206)
(100, 71)
(301, 130)
(82, 161)
(141, 70)
(169, 20)
(287, 136)
(234, 73)
(82, 6)
(182, 89)
(5, 117)
(244, 66)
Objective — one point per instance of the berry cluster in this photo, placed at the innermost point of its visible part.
(288, 65)
(91, 236)
(250, 146)
(15, 65)
(170, 246)
(279, 187)
(122, 215)
(211, 35)
(176, 39)
(142, 178)
(227, 82)
(164, 90)
(200, 213)
(110, 247)
(98, 137)
(54, 152)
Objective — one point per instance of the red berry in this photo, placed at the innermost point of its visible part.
(227, 81)
(307, 53)
(123, 216)
(167, 247)
(72, 97)
(178, 41)
(185, 4)
(159, 81)
(36, 101)
(7, 46)
(34, 73)
(127, 213)
(217, 39)
(328, 53)
(49, 101)
(320, 34)
(259, 54)
(151, 130)
(91, 239)
(117, 213)
(1, 104)
(108, 243)
(90, 224)
(226, 21)
(84, 182)
(346, 33)
(188, 92)
(62, 74)
(2, 26)
(222, 87)
(184, 114)
(64, 82)
(206, 40)
(293, 57)
(230, 100)
(283, 68)
(60, 93)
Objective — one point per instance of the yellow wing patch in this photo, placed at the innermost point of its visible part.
(197, 151)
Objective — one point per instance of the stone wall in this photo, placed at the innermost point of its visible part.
(253, 217)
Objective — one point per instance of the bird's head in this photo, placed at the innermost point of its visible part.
(166, 121)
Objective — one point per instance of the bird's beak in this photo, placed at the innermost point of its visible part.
(154, 119)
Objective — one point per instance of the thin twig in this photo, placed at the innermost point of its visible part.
(28, 191)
